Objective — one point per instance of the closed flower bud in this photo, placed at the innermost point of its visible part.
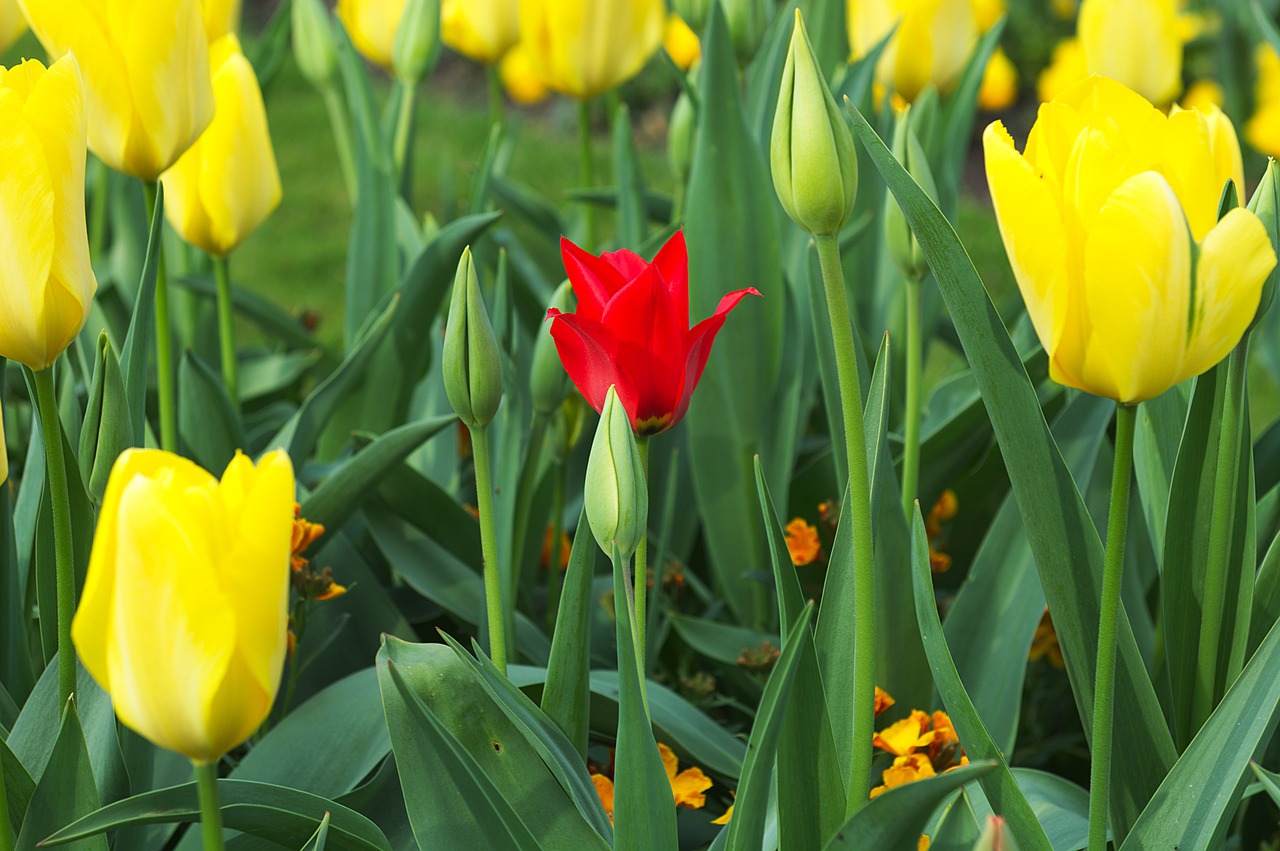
(566, 427)
(748, 22)
(930, 44)
(483, 30)
(680, 42)
(417, 43)
(616, 494)
(584, 48)
(902, 243)
(815, 166)
(682, 130)
(12, 24)
(1265, 204)
(183, 617)
(313, 46)
(548, 380)
(472, 362)
(148, 88)
(46, 280)
(108, 428)
(221, 17)
(1151, 65)
(227, 184)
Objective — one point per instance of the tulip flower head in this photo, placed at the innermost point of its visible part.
(1263, 128)
(227, 183)
(46, 280)
(372, 25)
(483, 30)
(520, 78)
(931, 43)
(1110, 221)
(12, 24)
(1151, 64)
(183, 618)
(615, 492)
(146, 75)
(631, 330)
(584, 48)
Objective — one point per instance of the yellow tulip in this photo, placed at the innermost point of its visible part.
(372, 25)
(227, 183)
(1110, 221)
(1263, 128)
(481, 29)
(1066, 68)
(146, 75)
(987, 12)
(12, 24)
(519, 78)
(183, 617)
(999, 83)
(46, 280)
(680, 42)
(1136, 42)
(1203, 94)
(584, 48)
(221, 17)
(932, 42)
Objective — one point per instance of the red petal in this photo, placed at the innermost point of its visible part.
(627, 263)
(594, 280)
(697, 347)
(650, 342)
(589, 353)
(673, 264)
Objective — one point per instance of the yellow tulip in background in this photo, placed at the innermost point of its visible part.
(999, 87)
(680, 42)
(12, 24)
(483, 30)
(1263, 127)
(1136, 42)
(183, 618)
(46, 280)
(584, 48)
(227, 183)
(519, 77)
(372, 25)
(1110, 221)
(146, 75)
(220, 18)
(932, 42)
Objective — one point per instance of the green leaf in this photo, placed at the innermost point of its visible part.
(566, 698)
(16, 674)
(284, 816)
(1066, 545)
(207, 423)
(107, 430)
(720, 642)
(747, 827)
(1193, 807)
(320, 838)
(1061, 807)
(66, 789)
(1000, 787)
(137, 343)
(898, 817)
(1155, 454)
(258, 309)
(1270, 782)
(18, 787)
(630, 204)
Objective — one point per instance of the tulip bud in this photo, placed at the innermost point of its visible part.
(616, 494)
(472, 362)
(748, 22)
(108, 428)
(417, 45)
(313, 46)
(903, 247)
(548, 380)
(815, 166)
(566, 427)
(694, 12)
(1265, 204)
(996, 836)
(681, 132)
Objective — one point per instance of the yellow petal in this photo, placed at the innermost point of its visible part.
(688, 788)
(520, 78)
(999, 87)
(1066, 67)
(1137, 289)
(484, 30)
(669, 761)
(1150, 64)
(1234, 261)
(220, 18)
(583, 48)
(372, 25)
(1201, 154)
(12, 24)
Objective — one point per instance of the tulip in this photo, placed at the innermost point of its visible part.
(46, 280)
(227, 183)
(12, 24)
(931, 44)
(1151, 64)
(583, 48)
(748, 22)
(313, 46)
(615, 492)
(999, 87)
(483, 30)
(417, 43)
(1263, 128)
(471, 361)
(183, 619)
(372, 25)
(220, 18)
(1110, 222)
(146, 73)
(548, 382)
(631, 330)
(680, 42)
(1066, 68)
(520, 78)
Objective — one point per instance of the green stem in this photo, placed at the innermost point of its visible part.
(98, 208)
(915, 370)
(489, 548)
(1221, 520)
(404, 128)
(642, 562)
(60, 497)
(555, 577)
(864, 580)
(495, 96)
(210, 813)
(341, 137)
(164, 342)
(227, 330)
(1108, 629)
(588, 173)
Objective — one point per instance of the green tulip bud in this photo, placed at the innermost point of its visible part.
(566, 427)
(903, 246)
(694, 12)
(748, 23)
(108, 429)
(472, 361)
(815, 166)
(1265, 204)
(548, 382)
(996, 836)
(682, 130)
(616, 493)
(417, 44)
(313, 46)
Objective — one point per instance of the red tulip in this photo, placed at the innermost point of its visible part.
(632, 331)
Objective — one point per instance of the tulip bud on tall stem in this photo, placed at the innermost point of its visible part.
(164, 340)
(60, 497)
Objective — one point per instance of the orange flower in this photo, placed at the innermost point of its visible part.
(883, 700)
(905, 769)
(604, 788)
(803, 542)
(688, 786)
(724, 819)
(1045, 644)
(903, 737)
(544, 560)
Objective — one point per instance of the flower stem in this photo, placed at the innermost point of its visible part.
(210, 813)
(60, 497)
(555, 578)
(404, 128)
(860, 509)
(1221, 520)
(341, 137)
(226, 330)
(642, 562)
(164, 342)
(489, 548)
(98, 207)
(588, 174)
(495, 96)
(915, 370)
(1108, 628)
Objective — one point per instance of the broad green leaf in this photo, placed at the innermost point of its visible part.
(1266, 596)
(267, 376)
(1155, 454)
(65, 791)
(721, 642)
(431, 510)
(1061, 807)
(15, 654)
(256, 308)
(208, 425)
(284, 816)
(631, 219)
(1066, 545)
(137, 343)
(18, 787)
(566, 698)
(1270, 782)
